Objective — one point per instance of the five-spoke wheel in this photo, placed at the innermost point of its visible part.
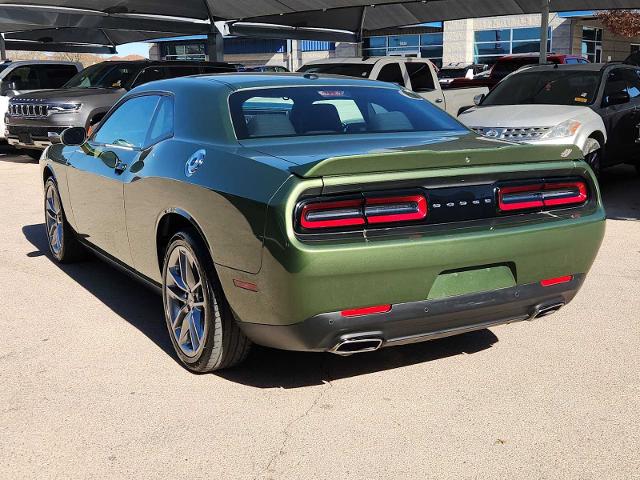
(203, 330)
(62, 240)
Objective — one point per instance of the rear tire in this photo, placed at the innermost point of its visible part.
(62, 240)
(593, 155)
(202, 327)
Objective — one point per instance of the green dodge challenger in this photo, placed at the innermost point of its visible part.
(319, 213)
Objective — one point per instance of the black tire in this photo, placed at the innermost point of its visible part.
(68, 247)
(224, 345)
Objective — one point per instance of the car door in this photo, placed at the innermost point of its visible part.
(619, 116)
(98, 170)
(422, 82)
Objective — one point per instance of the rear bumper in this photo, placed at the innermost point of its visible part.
(418, 321)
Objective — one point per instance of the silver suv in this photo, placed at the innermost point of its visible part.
(37, 119)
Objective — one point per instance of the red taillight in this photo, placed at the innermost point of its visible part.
(526, 197)
(345, 213)
(357, 312)
(549, 282)
(365, 210)
(395, 209)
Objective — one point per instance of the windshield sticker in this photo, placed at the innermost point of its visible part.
(331, 93)
(581, 100)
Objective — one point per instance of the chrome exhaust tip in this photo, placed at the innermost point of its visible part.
(357, 345)
(544, 310)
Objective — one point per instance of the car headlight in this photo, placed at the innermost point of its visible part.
(64, 107)
(562, 130)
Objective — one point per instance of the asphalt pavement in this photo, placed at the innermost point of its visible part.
(90, 388)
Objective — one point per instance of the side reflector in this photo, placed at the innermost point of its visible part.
(525, 197)
(556, 281)
(357, 312)
(245, 285)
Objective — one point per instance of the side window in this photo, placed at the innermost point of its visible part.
(633, 82)
(162, 126)
(149, 74)
(391, 73)
(25, 78)
(616, 83)
(420, 76)
(55, 76)
(129, 124)
(571, 61)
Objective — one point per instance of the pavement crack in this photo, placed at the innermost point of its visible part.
(287, 429)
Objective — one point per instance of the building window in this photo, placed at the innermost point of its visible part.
(592, 44)
(426, 45)
(183, 51)
(489, 45)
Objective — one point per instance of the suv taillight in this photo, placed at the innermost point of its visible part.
(376, 210)
(542, 195)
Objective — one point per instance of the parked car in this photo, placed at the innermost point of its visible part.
(416, 74)
(25, 76)
(36, 120)
(451, 71)
(511, 63)
(292, 230)
(593, 106)
(265, 68)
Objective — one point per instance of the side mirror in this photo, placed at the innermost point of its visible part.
(617, 98)
(74, 136)
(477, 100)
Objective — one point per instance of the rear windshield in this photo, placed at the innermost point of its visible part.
(308, 111)
(360, 70)
(556, 87)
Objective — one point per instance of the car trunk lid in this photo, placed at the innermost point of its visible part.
(403, 152)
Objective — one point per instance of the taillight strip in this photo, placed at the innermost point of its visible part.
(526, 197)
(395, 209)
(361, 211)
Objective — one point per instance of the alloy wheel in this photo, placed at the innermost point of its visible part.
(54, 220)
(185, 301)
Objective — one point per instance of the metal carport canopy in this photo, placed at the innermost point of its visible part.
(100, 25)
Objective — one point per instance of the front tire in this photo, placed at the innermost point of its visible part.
(593, 155)
(202, 328)
(63, 244)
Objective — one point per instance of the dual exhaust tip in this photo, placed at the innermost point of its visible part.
(352, 346)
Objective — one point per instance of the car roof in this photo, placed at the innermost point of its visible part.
(154, 63)
(585, 67)
(11, 63)
(244, 80)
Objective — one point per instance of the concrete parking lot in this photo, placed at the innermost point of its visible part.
(90, 387)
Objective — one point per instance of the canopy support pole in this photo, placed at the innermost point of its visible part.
(3, 51)
(544, 31)
(215, 47)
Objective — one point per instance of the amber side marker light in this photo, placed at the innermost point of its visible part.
(549, 282)
(252, 287)
(357, 312)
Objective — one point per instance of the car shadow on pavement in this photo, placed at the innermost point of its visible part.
(11, 155)
(265, 367)
(620, 188)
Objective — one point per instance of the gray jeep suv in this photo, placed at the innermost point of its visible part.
(35, 120)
